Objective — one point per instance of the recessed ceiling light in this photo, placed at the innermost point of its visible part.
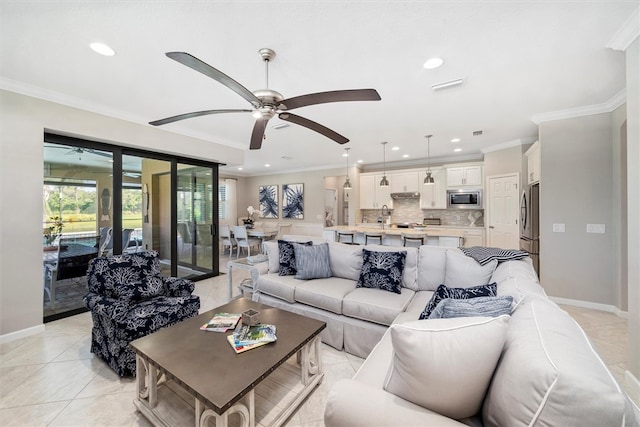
(395, 148)
(240, 169)
(455, 140)
(267, 165)
(457, 150)
(405, 155)
(345, 154)
(432, 63)
(102, 49)
(360, 161)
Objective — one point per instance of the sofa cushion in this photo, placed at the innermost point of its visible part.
(382, 270)
(522, 269)
(346, 260)
(550, 375)
(326, 294)
(474, 307)
(273, 253)
(282, 287)
(410, 275)
(463, 271)
(431, 267)
(444, 291)
(312, 262)
(375, 305)
(287, 257)
(446, 365)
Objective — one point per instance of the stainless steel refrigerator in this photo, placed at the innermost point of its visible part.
(530, 225)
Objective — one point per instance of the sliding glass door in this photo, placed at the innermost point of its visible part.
(109, 200)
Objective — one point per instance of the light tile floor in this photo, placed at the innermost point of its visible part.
(52, 379)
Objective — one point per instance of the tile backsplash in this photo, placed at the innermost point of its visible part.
(409, 211)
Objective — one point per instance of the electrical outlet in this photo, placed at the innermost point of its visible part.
(596, 228)
(558, 228)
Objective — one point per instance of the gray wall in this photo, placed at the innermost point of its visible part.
(576, 189)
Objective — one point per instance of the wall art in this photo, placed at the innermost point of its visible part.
(293, 201)
(268, 198)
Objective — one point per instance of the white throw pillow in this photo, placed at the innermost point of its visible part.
(463, 271)
(271, 248)
(446, 365)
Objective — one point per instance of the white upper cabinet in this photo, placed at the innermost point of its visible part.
(533, 163)
(461, 176)
(404, 182)
(372, 196)
(433, 196)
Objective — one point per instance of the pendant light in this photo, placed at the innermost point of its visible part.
(347, 184)
(428, 180)
(384, 182)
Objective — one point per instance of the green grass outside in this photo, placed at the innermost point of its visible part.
(87, 223)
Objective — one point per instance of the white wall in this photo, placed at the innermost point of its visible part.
(24, 121)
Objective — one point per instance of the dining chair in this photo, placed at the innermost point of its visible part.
(282, 230)
(226, 238)
(243, 240)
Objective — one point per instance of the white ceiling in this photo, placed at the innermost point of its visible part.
(518, 59)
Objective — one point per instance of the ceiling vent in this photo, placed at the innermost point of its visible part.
(478, 132)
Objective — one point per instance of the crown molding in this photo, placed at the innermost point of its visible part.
(606, 107)
(629, 31)
(509, 144)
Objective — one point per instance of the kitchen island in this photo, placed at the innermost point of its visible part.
(451, 236)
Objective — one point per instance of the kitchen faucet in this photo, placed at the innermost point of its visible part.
(383, 214)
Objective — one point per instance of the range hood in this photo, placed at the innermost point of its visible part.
(406, 195)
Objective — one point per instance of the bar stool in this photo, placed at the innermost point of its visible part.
(373, 235)
(413, 238)
(346, 234)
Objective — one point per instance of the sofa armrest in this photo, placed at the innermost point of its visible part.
(258, 269)
(108, 307)
(178, 287)
(352, 403)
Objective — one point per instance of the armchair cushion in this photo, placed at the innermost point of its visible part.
(149, 288)
(178, 287)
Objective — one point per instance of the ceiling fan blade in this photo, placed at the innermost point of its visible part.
(194, 114)
(206, 69)
(258, 134)
(99, 153)
(331, 96)
(313, 126)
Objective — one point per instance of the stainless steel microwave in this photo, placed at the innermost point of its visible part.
(464, 199)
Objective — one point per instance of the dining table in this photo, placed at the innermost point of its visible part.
(262, 234)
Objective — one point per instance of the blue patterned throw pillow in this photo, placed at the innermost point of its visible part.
(473, 307)
(382, 270)
(443, 292)
(312, 262)
(287, 257)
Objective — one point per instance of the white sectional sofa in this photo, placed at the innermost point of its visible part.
(533, 368)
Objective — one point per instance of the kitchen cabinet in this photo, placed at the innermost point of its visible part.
(460, 176)
(533, 163)
(473, 237)
(372, 196)
(404, 182)
(433, 196)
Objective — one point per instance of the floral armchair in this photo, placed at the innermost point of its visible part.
(128, 299)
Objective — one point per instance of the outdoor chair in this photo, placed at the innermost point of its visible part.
(128, 299)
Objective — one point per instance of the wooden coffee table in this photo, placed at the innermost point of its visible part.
(219, 381)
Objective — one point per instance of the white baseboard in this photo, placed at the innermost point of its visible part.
(592, 305)
(21, 334)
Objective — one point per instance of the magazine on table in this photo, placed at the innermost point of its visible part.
(248, 335)
(222, 322)
(243, 348)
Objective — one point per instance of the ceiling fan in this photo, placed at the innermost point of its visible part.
(79, 151)
(266, 102)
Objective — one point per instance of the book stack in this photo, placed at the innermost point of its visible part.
(222, 322)
(246, 337)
